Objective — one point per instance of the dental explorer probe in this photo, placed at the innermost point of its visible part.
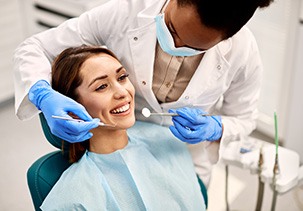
(80, 120)
(146, 112)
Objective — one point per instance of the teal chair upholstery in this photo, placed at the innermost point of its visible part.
(45, 172)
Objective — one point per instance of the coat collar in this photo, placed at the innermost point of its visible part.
(148, 15)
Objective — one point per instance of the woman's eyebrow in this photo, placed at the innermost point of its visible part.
(119, 69)
(96, 79)
(104, 76)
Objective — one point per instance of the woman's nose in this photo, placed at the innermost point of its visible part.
(120, 92)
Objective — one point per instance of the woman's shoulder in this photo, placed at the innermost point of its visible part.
(77, 187)
(80, 170)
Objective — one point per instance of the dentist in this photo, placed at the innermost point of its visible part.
(191, 56)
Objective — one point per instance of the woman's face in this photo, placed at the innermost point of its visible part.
(106, 91)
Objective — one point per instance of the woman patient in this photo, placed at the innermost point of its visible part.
(116, 169)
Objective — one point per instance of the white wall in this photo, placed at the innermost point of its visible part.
(10, 35)
(277, 30)
(294, 128)
(273, 28)
(15, 26)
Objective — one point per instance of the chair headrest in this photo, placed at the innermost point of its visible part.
(54, 140)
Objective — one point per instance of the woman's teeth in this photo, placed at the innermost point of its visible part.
(121, 109)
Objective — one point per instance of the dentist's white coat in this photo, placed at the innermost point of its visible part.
(227, 80)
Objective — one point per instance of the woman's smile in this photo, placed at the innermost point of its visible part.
(121, 109)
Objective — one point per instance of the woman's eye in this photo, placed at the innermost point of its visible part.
(123, 77)
(103, 86)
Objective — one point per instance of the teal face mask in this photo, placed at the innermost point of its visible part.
(166, 40)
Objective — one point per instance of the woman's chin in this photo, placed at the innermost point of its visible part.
(125, 124)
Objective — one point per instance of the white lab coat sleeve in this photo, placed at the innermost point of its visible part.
(240, 102)
(33, 57)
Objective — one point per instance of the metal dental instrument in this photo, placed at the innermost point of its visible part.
(146, 112)
(261, 184)
(80, 120)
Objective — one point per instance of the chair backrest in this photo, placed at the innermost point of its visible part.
(45, 172)
(54, 140)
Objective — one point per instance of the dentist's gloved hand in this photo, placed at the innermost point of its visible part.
(51, 103)
(191, 127)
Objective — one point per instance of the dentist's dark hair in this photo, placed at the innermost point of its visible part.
(66, 78)
(228, 16)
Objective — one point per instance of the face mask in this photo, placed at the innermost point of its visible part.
(166, 40)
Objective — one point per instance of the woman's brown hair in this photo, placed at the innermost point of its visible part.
(66, 78)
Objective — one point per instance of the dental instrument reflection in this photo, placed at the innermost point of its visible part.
(80, 120)
(146, 112)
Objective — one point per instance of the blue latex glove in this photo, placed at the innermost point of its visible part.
(191, 127)
(51, 103)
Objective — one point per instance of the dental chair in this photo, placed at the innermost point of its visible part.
(45, 172)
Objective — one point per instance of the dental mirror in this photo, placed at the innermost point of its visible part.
(146, 112)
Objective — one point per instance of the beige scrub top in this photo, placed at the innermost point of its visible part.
(172, 74)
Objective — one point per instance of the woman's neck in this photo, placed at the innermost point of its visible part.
(107, 141)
